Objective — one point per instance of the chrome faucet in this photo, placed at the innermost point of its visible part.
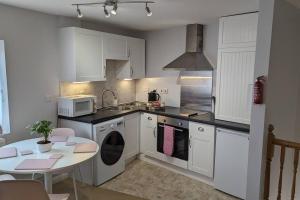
(103, 92)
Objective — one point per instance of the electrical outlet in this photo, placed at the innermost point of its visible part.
(164, 91)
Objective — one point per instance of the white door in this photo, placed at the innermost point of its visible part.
(231, 162)
(201, 151)
(235, 76)
(137, 57)
(135, 67)
(115, 47)
(132, 139)
(89, 55)
(148, 134)
(238, 31)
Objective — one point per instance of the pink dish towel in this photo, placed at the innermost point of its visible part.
(36, 164)
(8, 152)
(168, 140)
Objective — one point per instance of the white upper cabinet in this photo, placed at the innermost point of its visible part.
(135, 67)
(235, 71)
(115, 47)
(202, 148)
(81, 55)
(238, 31)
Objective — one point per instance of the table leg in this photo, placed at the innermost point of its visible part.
(48, 182)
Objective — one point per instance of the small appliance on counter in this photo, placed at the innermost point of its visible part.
(154, 101)
(77, 105)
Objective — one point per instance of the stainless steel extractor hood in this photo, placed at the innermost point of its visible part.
(193, 59)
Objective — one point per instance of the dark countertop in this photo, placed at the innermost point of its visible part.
(108, 114)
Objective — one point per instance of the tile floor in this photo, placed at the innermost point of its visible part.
(151, 182)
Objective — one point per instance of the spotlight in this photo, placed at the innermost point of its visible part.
(114, 10)
(107, 14)
(149, 13)
(79, 14)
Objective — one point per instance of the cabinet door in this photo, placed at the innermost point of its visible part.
(135, 67)
(115, 47)
(231, 162)
(201, 152)
(238, 30)
(132, 130)
(234, 84)
(148, 134)
(89, 55)
(137, 57)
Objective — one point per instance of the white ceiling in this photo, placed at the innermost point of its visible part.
(166, 13)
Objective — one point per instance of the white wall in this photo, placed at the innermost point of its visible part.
(277, 56)
(256, 158)
(164, 46)
(283, 102)
(32, 65)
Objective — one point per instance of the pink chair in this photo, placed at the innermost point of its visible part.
(63, 132)
(26, 190)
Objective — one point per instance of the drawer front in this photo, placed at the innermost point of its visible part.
(201, 131)
(150, 120)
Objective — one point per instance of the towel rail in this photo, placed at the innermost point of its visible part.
(174, 128)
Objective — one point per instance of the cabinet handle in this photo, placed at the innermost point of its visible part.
(154, 132)
(128, 53)
(149, 118)
(200, 129)
(104, 71)
(190, 144)
(131, 72)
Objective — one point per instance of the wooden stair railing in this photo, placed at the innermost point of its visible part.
(272, 141)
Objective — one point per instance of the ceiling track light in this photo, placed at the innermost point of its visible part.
(115, 8)
(79, 13)
(114, 5)
(107, 14)
(149, 13)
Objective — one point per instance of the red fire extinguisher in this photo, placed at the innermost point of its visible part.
(258, 92)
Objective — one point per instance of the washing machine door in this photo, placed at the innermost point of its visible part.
(112, 148)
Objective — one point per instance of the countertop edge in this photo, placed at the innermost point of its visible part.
(215, 122)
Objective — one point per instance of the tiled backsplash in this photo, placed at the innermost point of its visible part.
(125, 89)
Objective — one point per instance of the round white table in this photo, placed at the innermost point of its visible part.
(69, 159)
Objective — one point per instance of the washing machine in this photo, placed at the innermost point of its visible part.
(110, 161)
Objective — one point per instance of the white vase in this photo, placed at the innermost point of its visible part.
(44, 147)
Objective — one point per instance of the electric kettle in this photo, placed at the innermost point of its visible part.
(153, 96)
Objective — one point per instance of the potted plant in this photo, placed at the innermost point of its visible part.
(44, 129)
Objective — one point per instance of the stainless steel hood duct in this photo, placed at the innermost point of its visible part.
(193, 59)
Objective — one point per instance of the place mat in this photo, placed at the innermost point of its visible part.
(36, 164)
(8, 152)
(26, 152)
(85, 148)
(58, 138)
(70, 143)
(56, 156)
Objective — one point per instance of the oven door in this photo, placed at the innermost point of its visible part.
(181, 141)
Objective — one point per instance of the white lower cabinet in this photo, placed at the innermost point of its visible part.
(132, 133)
(231, 162)
(148, 134)
(201, 149)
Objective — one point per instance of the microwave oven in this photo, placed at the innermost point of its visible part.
(77, 105)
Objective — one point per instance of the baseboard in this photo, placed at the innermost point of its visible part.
(187, 173)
